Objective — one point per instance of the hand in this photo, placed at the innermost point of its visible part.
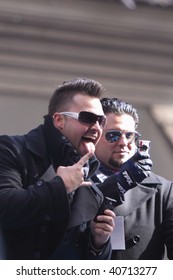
(134, 171)
(73, 176)
(102, 230)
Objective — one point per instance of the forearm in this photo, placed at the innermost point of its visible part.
(93, 253)
(25, 206)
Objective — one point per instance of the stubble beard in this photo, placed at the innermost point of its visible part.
(115, 164)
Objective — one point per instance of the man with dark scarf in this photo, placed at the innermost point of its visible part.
(47, 199)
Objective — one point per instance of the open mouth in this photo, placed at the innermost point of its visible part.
(89, 140)
(89, 144)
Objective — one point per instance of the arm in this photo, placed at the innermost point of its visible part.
(167, 189)
(132, 172)
(95, 241)
(24, 203)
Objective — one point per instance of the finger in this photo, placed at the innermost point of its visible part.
(109, 213)
(139, 156)
(84, 159)
(106, 227)
(105, 219)
(86, 184)
(146, 162)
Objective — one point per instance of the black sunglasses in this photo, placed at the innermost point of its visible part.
(114, 135)
(87, 117)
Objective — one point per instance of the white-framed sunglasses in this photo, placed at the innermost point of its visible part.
(86, 117)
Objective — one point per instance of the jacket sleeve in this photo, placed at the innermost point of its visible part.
(27, 204)
(91, 253)
(168, 217)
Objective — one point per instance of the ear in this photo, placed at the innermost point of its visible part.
(58, 120)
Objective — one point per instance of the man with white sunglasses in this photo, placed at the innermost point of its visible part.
(47, 202)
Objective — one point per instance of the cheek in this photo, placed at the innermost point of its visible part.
(132, 148)
(76, 133)
(98, 147)
(73, 127)
(102, 148)
(99, 135)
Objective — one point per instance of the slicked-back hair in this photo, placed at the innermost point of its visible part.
(119, 107)
(63, 95)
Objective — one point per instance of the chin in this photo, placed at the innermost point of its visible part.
(122, 161)
(83, 152)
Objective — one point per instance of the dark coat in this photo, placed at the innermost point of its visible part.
(34, 207)
(148, 220)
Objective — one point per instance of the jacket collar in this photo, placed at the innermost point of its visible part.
(35, 141)
(153, 180)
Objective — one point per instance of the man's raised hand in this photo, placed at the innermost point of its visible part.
(73, 176)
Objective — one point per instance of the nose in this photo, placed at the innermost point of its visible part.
(123, 140)
(97, 126)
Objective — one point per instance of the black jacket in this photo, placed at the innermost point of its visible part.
(35, 210)
(148, 219)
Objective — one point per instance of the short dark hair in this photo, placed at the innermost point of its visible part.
(119, 107)
(63, 95)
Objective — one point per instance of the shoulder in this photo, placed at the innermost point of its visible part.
(18, 139)
(9, 143)
(156, 179)
(18, 143)
(97, 193)
(163, 185)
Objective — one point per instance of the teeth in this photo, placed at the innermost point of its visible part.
(89, 140)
